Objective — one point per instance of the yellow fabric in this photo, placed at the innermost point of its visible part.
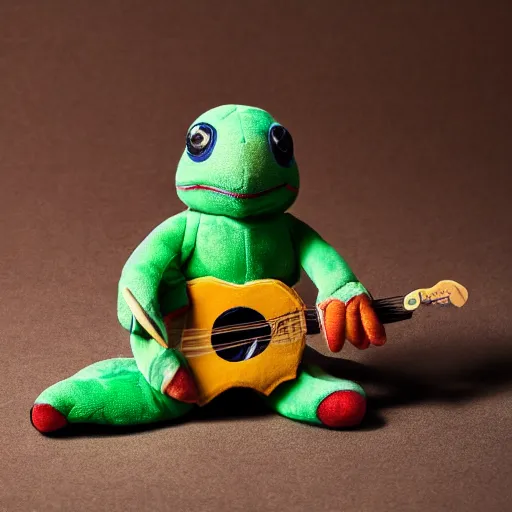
(209, 298)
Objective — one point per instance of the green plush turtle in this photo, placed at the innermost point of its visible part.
(237, 176)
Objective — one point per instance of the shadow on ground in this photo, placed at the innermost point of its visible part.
(424, 376)
(414, 379)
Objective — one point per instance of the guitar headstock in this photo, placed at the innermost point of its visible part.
(444, 293)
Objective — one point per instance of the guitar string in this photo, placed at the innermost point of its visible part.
(258, 322)
(241, 326)
(212, 350)
(234, 344)
(245, 325)
(206, 341)
(197, 347)
(205, 349)
(228, 344)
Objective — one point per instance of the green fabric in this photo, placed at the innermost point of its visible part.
(235, 250)
(239, 251)
(157, 364)
(231, 238)
(158, 270)
(111, 392)
(299, 399)
(327, 269)
(241, 162)
(153, 274)
(154, 268)
(189, 239)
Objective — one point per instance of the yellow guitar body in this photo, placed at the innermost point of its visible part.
(279, 305)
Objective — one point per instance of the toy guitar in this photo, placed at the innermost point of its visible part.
(253, 335)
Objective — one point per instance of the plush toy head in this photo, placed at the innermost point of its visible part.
(238, 162)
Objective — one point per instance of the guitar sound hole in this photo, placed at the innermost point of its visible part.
(237, 345)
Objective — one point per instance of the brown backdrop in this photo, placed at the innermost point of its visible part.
(401, 116)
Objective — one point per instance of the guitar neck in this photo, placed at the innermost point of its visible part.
(388, 310)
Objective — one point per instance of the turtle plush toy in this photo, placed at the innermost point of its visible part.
(237, 176)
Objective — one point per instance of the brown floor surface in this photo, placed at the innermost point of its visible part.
(401, 115)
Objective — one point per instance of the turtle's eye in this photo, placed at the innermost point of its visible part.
(281, 144)
(200, 141)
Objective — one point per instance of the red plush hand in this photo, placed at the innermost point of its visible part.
(355, 321)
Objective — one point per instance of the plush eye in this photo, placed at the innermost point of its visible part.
(200, 141)
(281, 144)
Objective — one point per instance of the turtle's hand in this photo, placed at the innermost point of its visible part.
(354, 320)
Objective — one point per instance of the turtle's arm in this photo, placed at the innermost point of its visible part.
(155, 263)
(329, 272)
(343, 302)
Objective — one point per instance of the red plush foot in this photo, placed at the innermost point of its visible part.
(46, 418)
(182, 387)
(342, 409)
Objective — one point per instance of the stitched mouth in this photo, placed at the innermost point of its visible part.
(236, 194)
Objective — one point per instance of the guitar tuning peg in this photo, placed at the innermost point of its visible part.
(446, 292)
